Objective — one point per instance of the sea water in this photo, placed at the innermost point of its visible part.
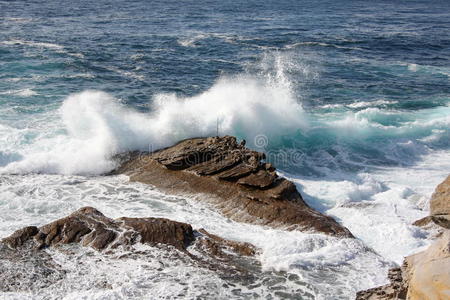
(350, 100)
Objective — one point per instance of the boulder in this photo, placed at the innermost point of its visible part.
(429, 271)
(440, 204)
(87, 227)
(233, 178)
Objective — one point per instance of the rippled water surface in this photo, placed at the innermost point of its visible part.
(349, 99)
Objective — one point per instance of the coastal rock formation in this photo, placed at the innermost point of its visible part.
(440, 204)
(233, 178)
(396, 289)
(88, 227)
(424, 275)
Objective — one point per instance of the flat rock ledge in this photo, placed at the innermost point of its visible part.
(424, 275)
(233, 178)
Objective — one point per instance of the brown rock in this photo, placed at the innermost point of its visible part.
(19, 237)
(440, 204)
(261, 179)
(428, 271)
(396, 289)
(89, 227)
(217, 244)
(159, 230)
(425, 275)
(233, 179)
(440, 201)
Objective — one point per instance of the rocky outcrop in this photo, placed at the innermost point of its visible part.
(87, 227)
(440, 204)
(424, 275)
(429, 271)
(396, 289)
(231, 177)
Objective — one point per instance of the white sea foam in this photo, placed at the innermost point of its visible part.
(381, 206)
(34, 44)
(362, 104)
(324, 266)
(51, 46)
(302, 44)
(21, 93)
(98, 126)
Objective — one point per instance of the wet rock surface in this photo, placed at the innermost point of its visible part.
(396, 289)
(424, 275)
(25, 263)
(233, 178)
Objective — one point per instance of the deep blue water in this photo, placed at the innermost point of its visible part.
(349, 99)
(391, 56)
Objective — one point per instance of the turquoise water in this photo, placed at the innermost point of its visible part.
(349, 99)
(368, 79)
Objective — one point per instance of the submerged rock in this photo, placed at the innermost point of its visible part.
(231, 177)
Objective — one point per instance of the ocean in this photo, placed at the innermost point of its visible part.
(349, 99)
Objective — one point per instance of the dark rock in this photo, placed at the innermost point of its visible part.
(261, 179)
(218, 244)
(396, 289)
(159, 230)
(91, 228)
(21, 251)
(19, 237)
(231, 177)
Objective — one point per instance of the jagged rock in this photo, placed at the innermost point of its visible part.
(19, 237)
(89, 227)
(396, 289)
(21, 251)
(231, 177)
(261, 179)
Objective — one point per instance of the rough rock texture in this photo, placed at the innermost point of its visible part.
(396, 289)
(89, 227)
(429, 271)
(440, 204)
(424, 275)
(231, 177)
(22, 251)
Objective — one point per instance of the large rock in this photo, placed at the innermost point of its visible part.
(440, 204)
(440, 201)
(22, 250)
(429, 271)
(231, 177)
(89, 227)
(425, 275)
